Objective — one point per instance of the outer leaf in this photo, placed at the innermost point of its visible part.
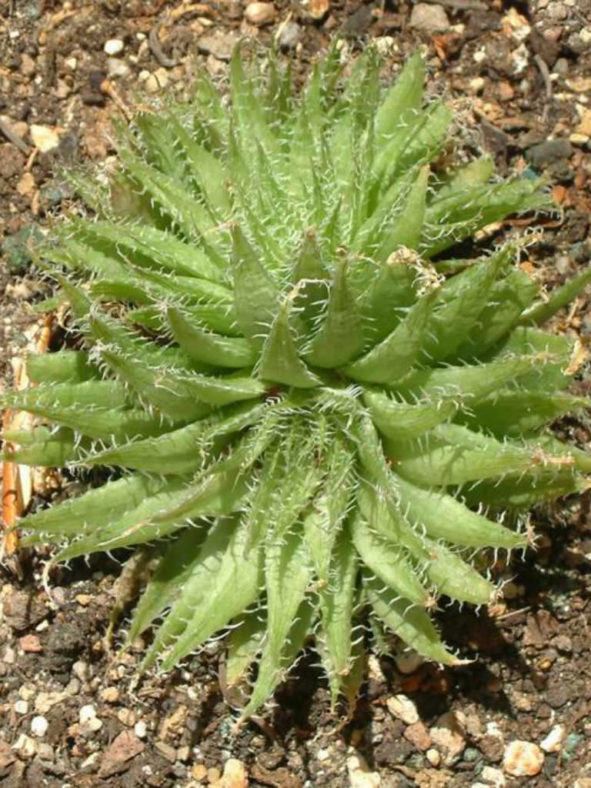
(66, 366)
(287, 577)
(410, 623)
(444, 517)
(95, 508)
(219, 587)
(337, 601)
(244, 644)
(166, 584)
(388, 562)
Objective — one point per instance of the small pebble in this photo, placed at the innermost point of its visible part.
(117, 67)
(448, 735)
(554, 740)
(418, 735)
(289, 36)
(199, 771)
(81, 670)
(166, 751)
(28, 65)
(21, 707)
(260, 13)
(140, 729)
(234, 775)
(493, 776)
(126, 716)
(403, 708)
(45, 751)
(44, 138)
(433, 757)
(39, 726)
(25, 746)
(184, 753)
(360, 775)
(408, 661)
(470, 754)
(318, 9)
(523, 759)
(114, 46)
(110, 694)
(157, 81)
(429, 18)
(477, 84)
(89, 722)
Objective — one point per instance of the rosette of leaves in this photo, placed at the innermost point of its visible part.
(315, 411)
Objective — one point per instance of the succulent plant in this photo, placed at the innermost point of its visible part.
(316, 414)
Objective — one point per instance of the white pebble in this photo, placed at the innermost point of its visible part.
(89, 722)
(114, 46)
(21, 707)
(403, 708)
(140, 729)
(39, 726)
(117, 67)
(87, 713)
(493, 776)
(434, 757)
(554, 740)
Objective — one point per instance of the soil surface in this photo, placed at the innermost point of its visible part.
(74, 713)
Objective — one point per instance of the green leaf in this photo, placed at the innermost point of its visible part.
(542, 311)
(404, 97)
(255, 294)
(65, 366)
(516, 413)
(168, 580)
(43, 447)
(206, 347)
(219, 586)
(244, 644)
(444, 517)
(403, 421)
(388, 562)
(337, 601)
(394, 356)
(339, 337)
(459, 304)
(328, 511)
(181, 450)
(452, 454)
(287, 577)
(94, 508)
(452, 576)
(407, 224)
(280, 361)
(410, 623)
